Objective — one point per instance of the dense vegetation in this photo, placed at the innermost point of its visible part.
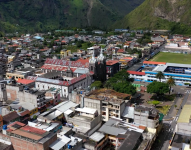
(46, 15)
(163, 14)
(121, 82)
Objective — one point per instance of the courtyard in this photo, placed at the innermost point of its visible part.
(172, 58)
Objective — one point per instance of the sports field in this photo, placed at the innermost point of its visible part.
(172, 58)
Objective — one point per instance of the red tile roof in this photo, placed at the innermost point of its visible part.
(25, 81)
(25, 113)
(83, 63)
(120, 51)
(11, 116)
(154, 62)
(136, 73)
(54, 67)
(17, 122)
(111, 62)
(33, 130)
(128, 58)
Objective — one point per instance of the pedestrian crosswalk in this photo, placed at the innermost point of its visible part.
(188, 91)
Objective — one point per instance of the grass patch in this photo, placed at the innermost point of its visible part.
(163, 109)
(172, 58)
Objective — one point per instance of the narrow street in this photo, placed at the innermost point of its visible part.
(169, 123)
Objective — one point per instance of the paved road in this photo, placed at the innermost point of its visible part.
(163, 140)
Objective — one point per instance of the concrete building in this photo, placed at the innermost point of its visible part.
(13, 90)
(96, 141)
(3, 63)
(3, 93)
(118, 132)
(112, 67)
(85, 120)
(148, 117)
(184, 121)
(26, 137)
(20, 74)
(32, 98)
(109, 103)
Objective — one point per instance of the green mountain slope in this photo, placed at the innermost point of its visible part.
(41, 15)
(121, 7)
(158, 14)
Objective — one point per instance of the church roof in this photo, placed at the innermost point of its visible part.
(83, 63)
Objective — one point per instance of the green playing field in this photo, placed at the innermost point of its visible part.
(172, 58)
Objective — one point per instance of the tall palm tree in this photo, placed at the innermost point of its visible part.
(171, 83)
(160, 75)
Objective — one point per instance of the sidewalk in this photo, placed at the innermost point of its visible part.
(173, 110)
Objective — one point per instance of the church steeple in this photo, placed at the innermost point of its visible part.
(101, 56)
(92, 59)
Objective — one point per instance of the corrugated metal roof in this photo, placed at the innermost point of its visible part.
(57, 145)
(97, 136)
(128, 112)
(185, 114)
(81, 70)
(86, 110)
(65, 106)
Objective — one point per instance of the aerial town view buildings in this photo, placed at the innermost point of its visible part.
(124, 91)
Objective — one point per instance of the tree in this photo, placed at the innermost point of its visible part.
(97, 85)
(155, 102)
(121, 82)
(160, 75)
(171, 83)
(158, 87)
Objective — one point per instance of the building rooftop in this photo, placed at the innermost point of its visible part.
(185, 115)
(83, 63)
(151, 111)
(97, 136)
(128, 112)
(64, 106)
(107, 93)
(86, 110)
(116, 127)
(11, 116)
(25, 81)
(111, 62)
(131, 140)
(179, 140)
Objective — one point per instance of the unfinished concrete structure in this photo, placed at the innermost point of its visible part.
(3, 63)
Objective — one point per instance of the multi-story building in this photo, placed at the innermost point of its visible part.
(109, 103)
(112, 67)
(3, 63)
(27, 137)
(32, 97)
(181, 73)
(121, 134)
(3, 93)
(146, 116)
(20, 74)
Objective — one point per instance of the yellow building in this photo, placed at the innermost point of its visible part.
(64, 53)
(17, 75)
